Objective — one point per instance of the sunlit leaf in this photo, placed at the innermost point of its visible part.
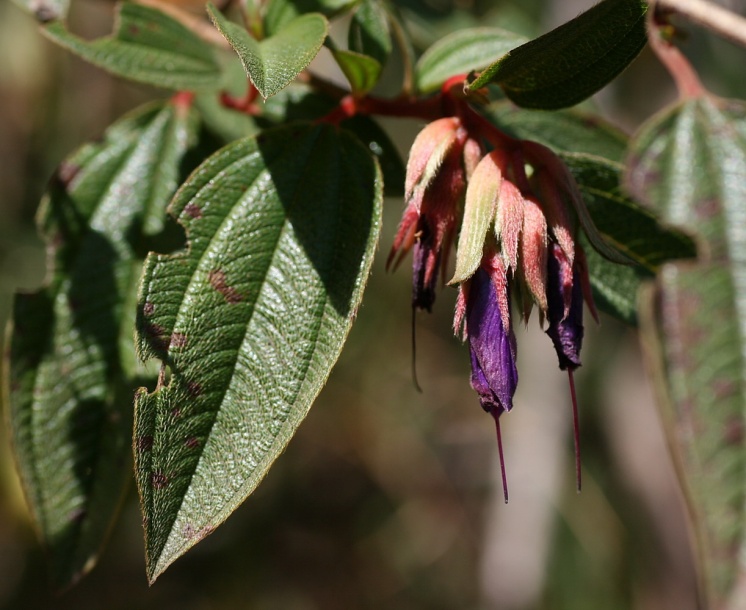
(273, 63)
(147, 46)
(689, 164)
(461, 52)
(248, 321)
(73, 370)
(572, 62)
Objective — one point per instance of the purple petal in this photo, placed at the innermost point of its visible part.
(494, 375)
(566, 332)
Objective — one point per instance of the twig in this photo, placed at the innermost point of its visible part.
(726, 23)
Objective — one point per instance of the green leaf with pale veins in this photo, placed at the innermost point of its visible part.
(149, 47)
(73, 370)
(689, 164)
(273, 63)
(462, 52)
(572, 62)
(248, 321)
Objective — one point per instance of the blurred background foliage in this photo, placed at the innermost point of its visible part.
(386, 498)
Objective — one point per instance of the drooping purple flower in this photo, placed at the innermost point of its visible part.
(492, 346)
(565, 308)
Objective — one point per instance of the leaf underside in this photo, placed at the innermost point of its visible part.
(248, 321)
(73, 369)
(690, 165)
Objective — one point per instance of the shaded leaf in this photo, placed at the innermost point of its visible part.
(73, 370)
(361, 71)
(248, 320)
(572, 62)
(149, 47)
(461, 52)
(369, 31)
(562, 130)
(273, 63)
(689, 164)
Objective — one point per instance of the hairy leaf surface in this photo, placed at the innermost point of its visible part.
(362, 71)
(572, 62)
(273, 63)
(248, 321)
(73, 369)
(147, 46)
(689, 164)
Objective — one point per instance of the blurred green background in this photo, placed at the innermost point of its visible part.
(386, 498)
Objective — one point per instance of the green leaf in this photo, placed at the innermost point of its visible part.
(572, 62)
(149, 47)
(690, 164)
(361, 71)
(249, 320)
(280, 13)
(461, 52)
(72, 364)
(369, 31)
(630, 228)
(562, 130)
(273, 63)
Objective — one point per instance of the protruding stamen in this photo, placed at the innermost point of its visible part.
(414, 351)
(575, 428)
(500, 452)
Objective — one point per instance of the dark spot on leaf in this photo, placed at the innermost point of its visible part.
(134, 30)
(733, 433)
(194, 389)
(159, 480)
(723, 388)
(193, 210)
(189, 532)
(77, 515)
(156, 336)
(178, 340)
(66, 172)
(144, 443)
(218, 282)
(148, 309)
(176, 413)
(192, 442)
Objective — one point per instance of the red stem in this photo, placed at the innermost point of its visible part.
(678, 66)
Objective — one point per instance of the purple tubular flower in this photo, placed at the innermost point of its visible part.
(492, 346)
(425, 257)
(565, 308)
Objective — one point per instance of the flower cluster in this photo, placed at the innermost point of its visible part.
(516, 209)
